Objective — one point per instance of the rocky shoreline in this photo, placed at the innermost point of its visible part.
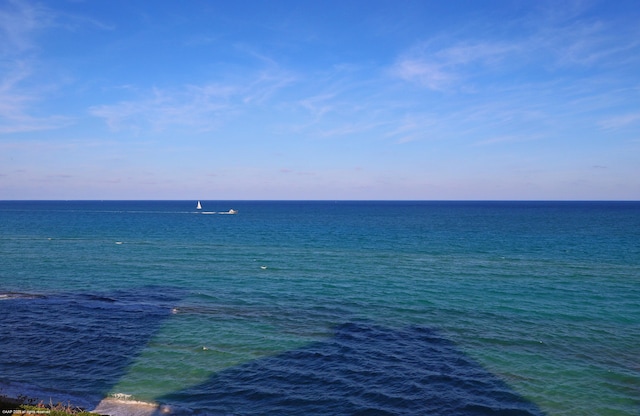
(23, 405)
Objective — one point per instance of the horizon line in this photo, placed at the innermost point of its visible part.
(316, 200)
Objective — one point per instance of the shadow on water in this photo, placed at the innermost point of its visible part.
(80, 343)
(84, 344)
(363, 370)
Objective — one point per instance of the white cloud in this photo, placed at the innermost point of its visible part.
(507, 139)
(20, 22)
(431, 75)
(620, 121)
(443, 64)
(195, 107)
(415, 127)
(320, 104)
(16, 104)
(266, 86)
(201, 107)
(539, 43)
(485, 52)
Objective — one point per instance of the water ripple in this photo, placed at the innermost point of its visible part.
(362, 369)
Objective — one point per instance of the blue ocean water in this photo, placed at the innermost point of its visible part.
(327, 308)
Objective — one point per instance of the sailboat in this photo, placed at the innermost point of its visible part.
(199, 206)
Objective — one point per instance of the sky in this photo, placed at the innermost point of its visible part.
(302, 99)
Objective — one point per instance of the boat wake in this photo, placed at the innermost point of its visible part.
(230, 212)
(199, 210)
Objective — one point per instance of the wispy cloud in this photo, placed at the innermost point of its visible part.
(26, 123)
(287, 171)
(574, 39)
(543, 43)
(320, 104)
(16, 104)
(620, 121)
(20, 23)
(415, 127)
(490, 89)
(266, 85)
(203, 107)
(198, 107)
(507, 139)
(447, 67)
(419, 70)
(19, 20)
(351, 128)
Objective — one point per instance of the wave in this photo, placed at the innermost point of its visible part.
(122, 404)
(363, 369)
(20, 295)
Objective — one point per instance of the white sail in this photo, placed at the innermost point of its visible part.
(198, 206)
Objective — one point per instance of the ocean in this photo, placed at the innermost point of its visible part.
(322, 307)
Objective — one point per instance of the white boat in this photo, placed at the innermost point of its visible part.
(232, 211)
(199, 206)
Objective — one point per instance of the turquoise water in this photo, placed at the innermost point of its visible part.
(325, 307)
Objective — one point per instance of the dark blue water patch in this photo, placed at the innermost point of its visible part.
(363, 370)
(79, 344)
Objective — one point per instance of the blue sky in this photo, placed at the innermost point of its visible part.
(319, 99)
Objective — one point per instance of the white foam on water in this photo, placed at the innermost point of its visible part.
(19, 295)
(121, 404)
